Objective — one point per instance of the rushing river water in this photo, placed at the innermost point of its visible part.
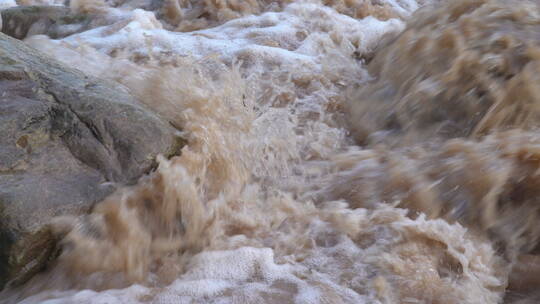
(310, 176)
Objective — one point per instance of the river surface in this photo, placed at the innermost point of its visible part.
(338, 151)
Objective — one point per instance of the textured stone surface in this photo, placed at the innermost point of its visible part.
(66, 141)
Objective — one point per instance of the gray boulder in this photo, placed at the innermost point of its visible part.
(67, 140)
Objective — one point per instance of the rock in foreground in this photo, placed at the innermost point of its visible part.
(66, 141)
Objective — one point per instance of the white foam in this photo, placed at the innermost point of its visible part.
(270, 37)
(239, 265)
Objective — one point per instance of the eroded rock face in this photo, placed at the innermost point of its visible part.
(67, 140)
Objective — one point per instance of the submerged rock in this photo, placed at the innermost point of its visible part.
(54, 21)
(66, 141)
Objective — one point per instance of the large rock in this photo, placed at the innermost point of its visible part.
(66, 141)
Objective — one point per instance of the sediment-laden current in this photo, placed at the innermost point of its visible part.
(337, 152)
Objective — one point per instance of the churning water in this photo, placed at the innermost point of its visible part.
(310, 176)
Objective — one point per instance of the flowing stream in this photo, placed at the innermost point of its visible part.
(309, 175)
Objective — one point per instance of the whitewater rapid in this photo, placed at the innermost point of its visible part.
(274, 199)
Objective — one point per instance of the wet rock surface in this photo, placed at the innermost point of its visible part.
(66, 141)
